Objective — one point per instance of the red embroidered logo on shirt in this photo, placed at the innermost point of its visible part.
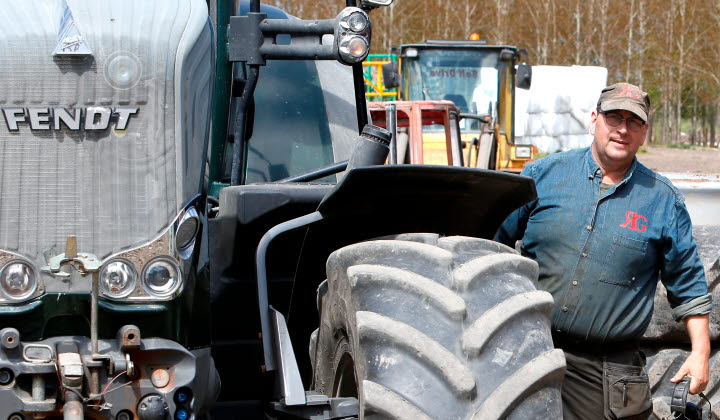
(631, 222)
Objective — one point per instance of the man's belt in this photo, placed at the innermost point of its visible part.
(565, 342)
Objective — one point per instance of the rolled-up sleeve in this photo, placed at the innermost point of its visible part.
(682, 272)
(698, 306)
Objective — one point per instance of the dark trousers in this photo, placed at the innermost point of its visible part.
(605, 385)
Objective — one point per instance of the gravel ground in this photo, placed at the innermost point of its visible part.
(701, 160)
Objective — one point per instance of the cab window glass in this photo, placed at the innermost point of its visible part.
(290, 134)
(467, 77)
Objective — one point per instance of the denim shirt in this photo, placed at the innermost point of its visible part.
(600, 256)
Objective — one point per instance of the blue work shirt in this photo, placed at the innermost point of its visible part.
(600, 255)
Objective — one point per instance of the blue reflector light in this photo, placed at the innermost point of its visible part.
(181, 396)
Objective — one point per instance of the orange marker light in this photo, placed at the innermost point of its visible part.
(474, 37)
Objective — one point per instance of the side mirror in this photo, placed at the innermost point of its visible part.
(369, 4)
(523, 76)
(391, 77)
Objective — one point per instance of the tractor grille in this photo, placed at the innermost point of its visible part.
(113, 189)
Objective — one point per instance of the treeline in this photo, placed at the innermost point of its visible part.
(671, 48)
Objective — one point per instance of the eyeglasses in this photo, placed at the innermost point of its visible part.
(614, 119)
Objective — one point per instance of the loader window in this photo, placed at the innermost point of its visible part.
(466, 76)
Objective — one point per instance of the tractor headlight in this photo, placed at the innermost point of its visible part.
(355, 22)
(161, 278)
(354, 48)
(117, 279)
(18, 280)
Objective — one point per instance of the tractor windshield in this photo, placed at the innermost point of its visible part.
(466, 76)
(305, 118)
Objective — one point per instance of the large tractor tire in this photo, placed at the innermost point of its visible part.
(422, 327)
(663, 330)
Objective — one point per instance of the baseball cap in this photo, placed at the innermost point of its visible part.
(625, 96)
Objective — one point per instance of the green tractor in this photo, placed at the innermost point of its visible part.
(195, 220)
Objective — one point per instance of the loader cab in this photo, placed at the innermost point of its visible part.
(479, 79)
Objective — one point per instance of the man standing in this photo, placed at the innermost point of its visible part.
(602, 230)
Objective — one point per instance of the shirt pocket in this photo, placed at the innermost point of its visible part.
(625, 260)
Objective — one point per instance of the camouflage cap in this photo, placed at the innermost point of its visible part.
(625, 96)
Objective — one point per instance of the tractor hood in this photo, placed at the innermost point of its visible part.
(105, 114)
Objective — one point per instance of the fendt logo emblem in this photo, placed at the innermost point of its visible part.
(91, 118)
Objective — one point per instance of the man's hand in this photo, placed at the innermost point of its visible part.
(696, 365)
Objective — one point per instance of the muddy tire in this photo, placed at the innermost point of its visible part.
(422, 327)
(663, 329)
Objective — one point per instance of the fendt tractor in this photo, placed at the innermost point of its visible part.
(196, 219)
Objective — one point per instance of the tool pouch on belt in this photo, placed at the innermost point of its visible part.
(627, 390)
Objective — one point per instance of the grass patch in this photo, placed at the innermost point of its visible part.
(681, 146)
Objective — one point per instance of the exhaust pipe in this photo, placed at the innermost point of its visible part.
(371, 147)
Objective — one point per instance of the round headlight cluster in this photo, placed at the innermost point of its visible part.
(18, 280)
(118, 279)
(355, 22)
(352, 35)
(161, 277)
(356, 47)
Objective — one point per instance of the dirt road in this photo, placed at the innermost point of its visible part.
(694, 161)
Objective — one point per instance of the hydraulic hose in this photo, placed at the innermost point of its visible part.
(241, 124)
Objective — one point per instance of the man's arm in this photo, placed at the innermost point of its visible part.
(513, 228)
(684, 277)
(696, 365)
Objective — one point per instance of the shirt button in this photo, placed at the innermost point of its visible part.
(565, 308)
(584, 254)
(574, 282)
(633, 278)
(588, 227)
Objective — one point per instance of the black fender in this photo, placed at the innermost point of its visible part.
(376, 201)
(379, 200)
